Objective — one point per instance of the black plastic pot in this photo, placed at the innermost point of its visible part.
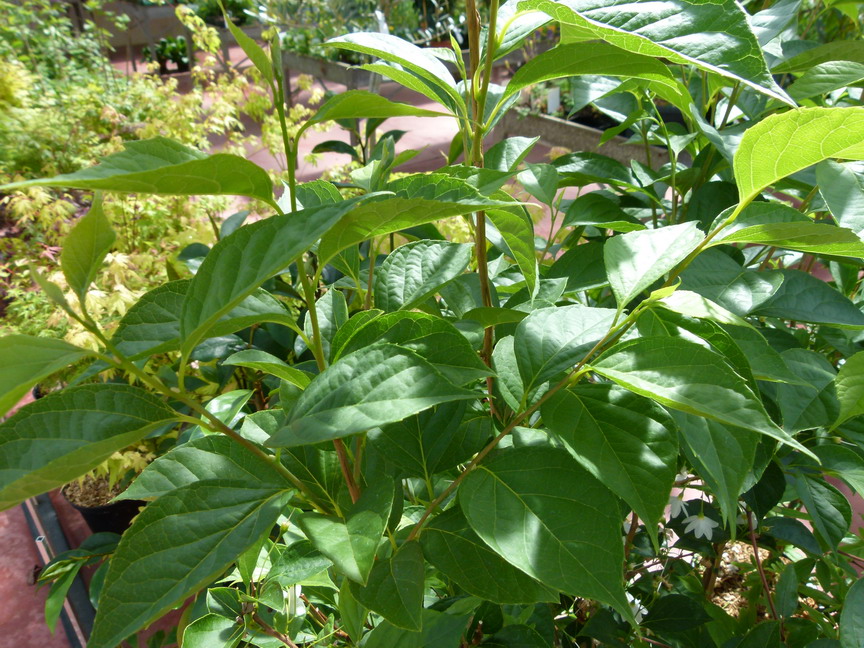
(115, 517)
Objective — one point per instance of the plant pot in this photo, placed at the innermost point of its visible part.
(114, 517)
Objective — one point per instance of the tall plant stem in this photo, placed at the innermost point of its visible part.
(759, 568)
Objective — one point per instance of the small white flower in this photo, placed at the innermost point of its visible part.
(676, 506)
(699, 525)
(636, 607)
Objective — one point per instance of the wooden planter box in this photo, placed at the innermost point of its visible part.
(576, 137)
(147, 24)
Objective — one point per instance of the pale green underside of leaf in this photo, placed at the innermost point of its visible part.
(380, 384)
(826, 77)
(63, 435)
(85, 247)
(178, 544)
(785, 143)
(517, 230)
(685, 376)
(270, 364)
(714, 36)
(565, 532)
(26, 360)
(163, 166)
(815, 238)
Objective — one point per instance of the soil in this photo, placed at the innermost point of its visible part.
(91, 492)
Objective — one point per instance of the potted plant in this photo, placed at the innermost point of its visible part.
(447, 437)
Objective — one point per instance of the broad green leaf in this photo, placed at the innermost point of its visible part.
(435, 80)
(509, 384)
(395, 587)
(582, 266)
(601, 211)
(830, 511)
(26, 360)
(241, 262)
(811, 401)
(85, 247)
(786, 143)
(565, 532)
(352, 543)
(552, 340)
(210, 457)
(492, 316)
(714, 36)
(594, 58)
(826, 77)
(759, 213)
(814, 238)
(786, 595)
(517, 229)
(850, 388)
(296, 563)
(839, 50)
(63, 435)
(765, 362)
(636, 260)
(363, 104)
(213, 629)
(852, 617)
(805, 298)
(686, 376)
(718, 277)
(414, 272)
(163, 166)
(625, 441)
(540, 180)
(318, 193)
(268, 363)
(376, 385)
(432, 441)
(252, 49)
(509, 153)
(675, 613)
(693, 304)
(418, 199)
(332, 311)
(842, 188)
(152, 325)
(584, 168)
(843, 462)
(440, 630)
(722, 455)
(450, 544)
(514, 26)
(188, 537)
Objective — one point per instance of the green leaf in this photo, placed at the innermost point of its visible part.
(352, 543)
(414, 272)
(596, 209)
(625, 441)
(509, 153)
(815, 238)
(418, 199)
(163, 166)
(253, 50)
(582, 266)
(450, 544)
(26, 360)
(209, 457)
(430, 76)
(440, 630)
(826, 77)
(332, 311)
(811, 401)
(843, 462)
(850, 388)
(517, 230)
(852, 617)
(213, 629)
(241, 262)
(63, 435)
(829, 509)
(270, 364)
(693, 304)
(584, 168)
(297, 563)
(432, 441)
(786, 143)
(805, 298)
(376, 385)
(574, 544)
(540, 180)
(786, 595)
(186, 537)
(552, 340)
(842, 188)
(85, 247)
(839, 50)
(395, 588)
(675, 613)
(636, 260)
(714, 36)
(721, 455)
(594, 58)
(363, 104)
(688, 377)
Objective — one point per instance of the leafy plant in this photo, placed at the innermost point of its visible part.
(459, 444)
